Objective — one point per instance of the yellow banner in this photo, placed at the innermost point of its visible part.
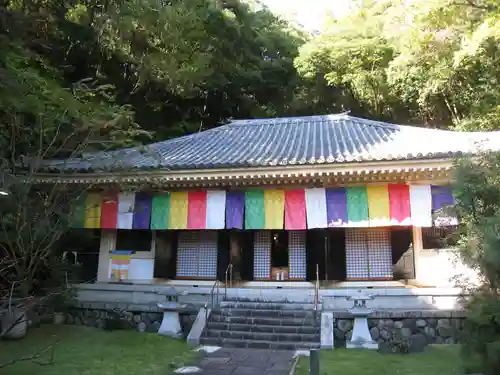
(92, 211)
(274, 209)
(378, 205)
(178, 210)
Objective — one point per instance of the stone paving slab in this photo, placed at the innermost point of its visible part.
(229, 361)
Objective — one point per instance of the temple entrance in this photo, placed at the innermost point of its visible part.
(279, 255)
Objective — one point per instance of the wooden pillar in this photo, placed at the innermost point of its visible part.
(108, 243)
(235, 251)
(417, 248)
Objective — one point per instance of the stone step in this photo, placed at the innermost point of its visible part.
(263, 336)
(268, 305)
(257, 344)
(264, 320)
(268, 313)
(264, 328)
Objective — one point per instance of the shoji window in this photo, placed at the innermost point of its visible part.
(368, 254)
(197, 254)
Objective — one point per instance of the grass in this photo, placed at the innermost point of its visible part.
(436, 360)
(90, 351)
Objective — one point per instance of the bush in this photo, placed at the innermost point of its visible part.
(62, 300)
(481, 335)
(477, 192)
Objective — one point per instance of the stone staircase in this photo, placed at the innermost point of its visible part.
(240, 323)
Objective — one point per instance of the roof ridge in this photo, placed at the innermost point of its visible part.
(300, 119)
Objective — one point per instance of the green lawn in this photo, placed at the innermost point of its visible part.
(436, 360)
(90, 351)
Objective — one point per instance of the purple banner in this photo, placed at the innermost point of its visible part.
(441, 197)
(336, 207)
(235, 209)
(442, 210)
(142, 211)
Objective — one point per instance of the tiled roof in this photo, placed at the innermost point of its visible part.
(329, 139)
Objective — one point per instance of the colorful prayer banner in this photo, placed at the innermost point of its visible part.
(441, 197)
(399, 204)
(78, 214)
(109, 211)
(126, 203)
(92, 211)
(235, 209)
(336, 207)
(421, 205)
(142, 211)
(120, 263)
(197, 210)
(178, 218)
(378, 205)
(254, 209)
(357, 207)
(160, 211)
(216, 208)
(274, 208)
(295, 210)
(442, 206)
(316, 208)
(205, 210)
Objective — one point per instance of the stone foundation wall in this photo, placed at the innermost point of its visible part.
(444, 330)
(111, 319)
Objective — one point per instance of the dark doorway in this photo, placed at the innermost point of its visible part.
(279, 249)
(80, 249)
(403, 262)
(247, 255)
(316, 242)
(336, 255)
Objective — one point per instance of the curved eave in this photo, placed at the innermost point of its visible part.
(338, 162)
(272, 175)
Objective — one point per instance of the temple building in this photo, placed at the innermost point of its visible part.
(274, 202)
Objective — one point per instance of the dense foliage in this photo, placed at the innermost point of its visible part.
(116, 72)
(163, 67)
(426, 61)
(84, 74)
(478, 201)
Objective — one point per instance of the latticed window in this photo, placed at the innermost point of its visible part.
(197, 254)
(368, 254)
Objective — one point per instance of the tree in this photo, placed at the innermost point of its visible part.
(353, 55)
(477, 193)
(433, 62)
(43, 118)
(180, 66)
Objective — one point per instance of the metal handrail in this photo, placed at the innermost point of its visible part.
(228, 274)
(215, 287)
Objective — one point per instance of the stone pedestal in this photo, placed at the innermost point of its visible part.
(16, 323)
(171, 323)
(361, 337)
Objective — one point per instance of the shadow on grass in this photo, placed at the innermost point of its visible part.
(91, 351)
(436, 360)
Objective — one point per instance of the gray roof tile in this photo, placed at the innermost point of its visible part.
(330, 139)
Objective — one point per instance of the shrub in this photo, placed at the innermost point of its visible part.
(477, 192)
